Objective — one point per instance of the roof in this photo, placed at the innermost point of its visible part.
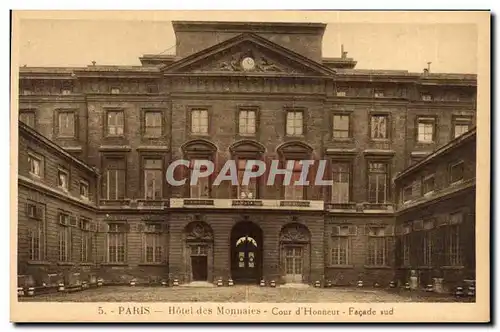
(30, 132)
(455, 143)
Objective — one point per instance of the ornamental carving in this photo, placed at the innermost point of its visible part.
(259, 64)
(199, 231)
(294, 233)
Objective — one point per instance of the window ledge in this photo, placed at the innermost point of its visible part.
(343, 139)
(452, 267)
(424, 267)
(114, 264)
(86, 264)
(425, 143)
(382, 267)
(65, 263)
(340, 266)
(32, 262)
(153, 264)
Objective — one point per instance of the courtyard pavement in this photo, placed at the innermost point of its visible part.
(253, 294)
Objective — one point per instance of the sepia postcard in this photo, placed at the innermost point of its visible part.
(250, 166)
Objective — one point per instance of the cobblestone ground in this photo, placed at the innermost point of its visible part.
(238, 294)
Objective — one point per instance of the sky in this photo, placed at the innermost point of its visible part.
(450, 47)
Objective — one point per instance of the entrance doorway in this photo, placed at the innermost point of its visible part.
(246, 252)
(293, 264)
(199, 266)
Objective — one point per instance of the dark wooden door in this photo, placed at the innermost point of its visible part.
(199, 266)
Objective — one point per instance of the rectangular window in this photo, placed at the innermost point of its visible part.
(379, 126)
(341, 244)
(64, 237)
(152, 88)
(378, 93)
(340, 126)
(153, 178)
(115, 123)
(294, 123)
(341, 176)
(379, 245)
(84, 189)
(426, 97)
(453, 248)
(247, 122)
(66, 91)
(408, 193)
(457, 172)
(114, 186)
(28, 118)
(249, 190)
(153, 248)
(152, 124)
(377, 182)
(87, 241)
(36, 164)
(292, 191)
(199, 121)
(116, 243)
(201, 189)
(428, 184)
(63, 179)
(428, 239)
(115, 91)
(406, 249)
(426, 128)
(461, 125)
(66, 124)
(341, 92)
(35, 240)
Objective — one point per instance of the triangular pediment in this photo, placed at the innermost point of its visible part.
(248, 54)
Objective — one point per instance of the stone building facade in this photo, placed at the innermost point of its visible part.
(244, 91)
(435, 216)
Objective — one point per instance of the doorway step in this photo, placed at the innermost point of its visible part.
(200, 284)
(294, 285)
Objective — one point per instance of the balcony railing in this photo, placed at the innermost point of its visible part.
(247, 204)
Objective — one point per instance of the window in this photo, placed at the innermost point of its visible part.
(153, 175)
(407, 193)
(250, 190)
(425, 129)
(377, 182)
(115, 91)
(406, 249)
(201, 189)
(341, 175)
(63, 179)
(341, 92)
(152, 88)
(87, 241)
(66, 124)
(340, 126)
(341, 244)
(153, 124)
(64, 237)
(378, 93)
(35, 240)
(428, 239)
(294, 123)
(116, 243)
(379, 126)
(114, 185)
(28, 118)
(36, 164)
(153, 248)
(292, 191)
(84, 189)
(428, 184)
(247, 122)
(461, 125)
(453, 248)
(426, 97)
(379, 246)
(66, 91)
(457, 172)
(199, 121)
(115, 123)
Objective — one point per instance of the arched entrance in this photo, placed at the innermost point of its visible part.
(246, 252)
(198, 251)
(295, 253)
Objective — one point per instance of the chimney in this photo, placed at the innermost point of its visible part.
(343, 53)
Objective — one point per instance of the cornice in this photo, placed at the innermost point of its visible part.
(318, 97)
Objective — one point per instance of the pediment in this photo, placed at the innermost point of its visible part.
(248, 54)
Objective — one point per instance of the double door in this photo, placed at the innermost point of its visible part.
(294, 264)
